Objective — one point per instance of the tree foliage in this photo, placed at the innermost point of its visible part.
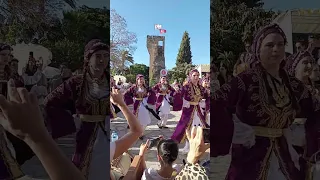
(184, 54)
(183, 62)
(180, 72)
(232, 23)
(122, 42)
(68, 37)
(27, 21)
(137, 69)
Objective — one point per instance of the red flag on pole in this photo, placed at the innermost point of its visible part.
(162, 31)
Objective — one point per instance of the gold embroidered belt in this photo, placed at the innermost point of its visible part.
(92, 118)
(163, 94)
(267, 132)
(139, 99)
(193, 103)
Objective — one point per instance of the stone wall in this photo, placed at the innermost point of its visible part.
(156, 45)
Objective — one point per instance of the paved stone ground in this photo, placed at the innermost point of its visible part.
(218, 168)
(34, 168)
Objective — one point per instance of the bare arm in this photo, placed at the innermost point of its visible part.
(124, 143)
(56, 164)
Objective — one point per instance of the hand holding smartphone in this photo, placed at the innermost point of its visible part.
(154, 142)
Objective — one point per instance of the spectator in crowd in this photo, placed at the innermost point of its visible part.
(167, 154)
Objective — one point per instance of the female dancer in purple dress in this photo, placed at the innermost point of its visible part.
(254, 112)
(192, 93)
(141, 97)
(87, 96)
(164, 92)
(205, 103)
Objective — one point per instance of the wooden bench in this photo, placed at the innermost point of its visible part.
(136, 169)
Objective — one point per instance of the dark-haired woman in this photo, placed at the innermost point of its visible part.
(254, 111)
(224, 76)
(167, 154)
(164, 93)
(87, 96)
(140, 96)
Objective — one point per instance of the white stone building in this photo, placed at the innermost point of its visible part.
(203, 69)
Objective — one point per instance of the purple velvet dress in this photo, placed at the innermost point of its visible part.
(246, 97)
(162, 93)
(72, 97)
(192, 94)
(133, 96)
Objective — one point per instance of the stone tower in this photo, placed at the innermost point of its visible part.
(156, 45)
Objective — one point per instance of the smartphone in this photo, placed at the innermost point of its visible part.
(206, 135)
(154, 142)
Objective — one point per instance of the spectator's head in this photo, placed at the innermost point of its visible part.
(223, 69)
(315, 75)
(301, 46)
(168, 151)
(163, 80)
(5, 52)
(14, 65)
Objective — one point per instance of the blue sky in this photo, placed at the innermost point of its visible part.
(176, 16)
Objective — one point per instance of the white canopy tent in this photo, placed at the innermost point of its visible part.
(21, 52)
(298, 21)
(117, 77)
(51, 72)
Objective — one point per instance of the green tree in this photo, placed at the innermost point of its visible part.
(232, 24)
(248, 3)
(131, 78)
(67, 38)
(28, 21)
(139, 69)
(180, 72)
(135, 69)
(184, 54)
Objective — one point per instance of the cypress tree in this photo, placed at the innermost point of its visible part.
(184, 54)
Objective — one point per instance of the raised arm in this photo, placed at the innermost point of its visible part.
(223, 105)
(60, 106)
